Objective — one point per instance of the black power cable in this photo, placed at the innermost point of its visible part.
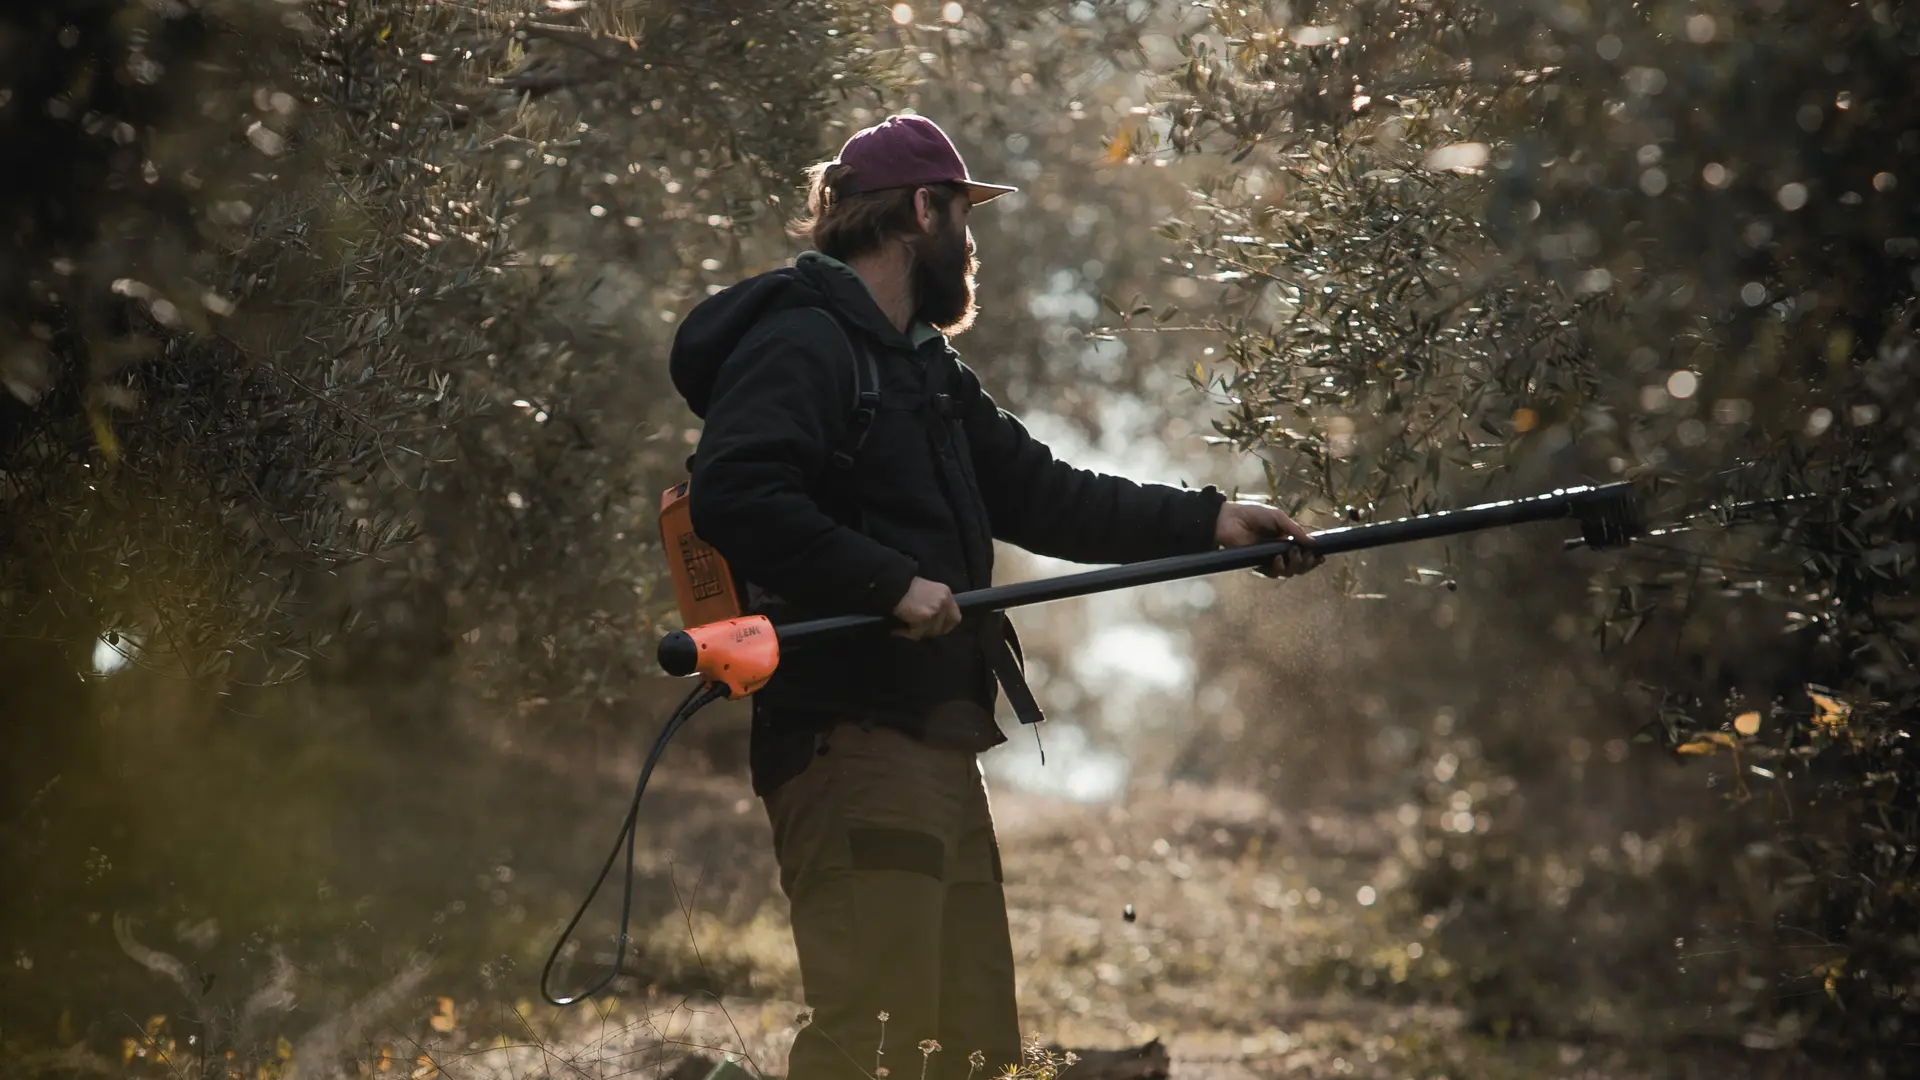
(700, 698)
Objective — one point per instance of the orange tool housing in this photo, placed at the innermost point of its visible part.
(739, 654)
(721, 643)
(703, 584)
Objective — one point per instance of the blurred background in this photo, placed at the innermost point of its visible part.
(335, 418)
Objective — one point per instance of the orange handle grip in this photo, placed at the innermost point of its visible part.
(739, 654)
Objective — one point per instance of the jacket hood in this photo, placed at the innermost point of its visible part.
(717, 325)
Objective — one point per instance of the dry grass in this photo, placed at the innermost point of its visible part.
(1250, 956)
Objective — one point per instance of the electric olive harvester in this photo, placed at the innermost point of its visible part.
(734, 652)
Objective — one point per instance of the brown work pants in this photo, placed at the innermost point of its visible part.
(888, 860)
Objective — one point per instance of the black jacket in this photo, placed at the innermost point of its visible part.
(934, 483)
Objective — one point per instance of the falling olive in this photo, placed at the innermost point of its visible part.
(1128, 913)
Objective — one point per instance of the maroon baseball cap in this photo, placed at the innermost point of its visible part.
(908, 151)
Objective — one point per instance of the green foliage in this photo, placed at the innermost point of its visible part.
(1510, 244)
(320, 314)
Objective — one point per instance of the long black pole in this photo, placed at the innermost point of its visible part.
(1567, 503)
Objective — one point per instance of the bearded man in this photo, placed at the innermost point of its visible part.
(850, 464)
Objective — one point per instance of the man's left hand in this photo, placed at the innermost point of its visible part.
(1241, 524)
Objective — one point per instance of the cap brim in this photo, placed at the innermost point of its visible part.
(978, 193)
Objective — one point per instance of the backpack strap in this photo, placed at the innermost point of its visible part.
(866, 396)
(1009, 665)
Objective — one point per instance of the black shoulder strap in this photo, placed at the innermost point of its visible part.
(866, 396)
(1009, 665)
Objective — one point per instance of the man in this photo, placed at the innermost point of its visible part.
(850, 464)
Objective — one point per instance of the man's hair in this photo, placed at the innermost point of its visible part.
(846, 226)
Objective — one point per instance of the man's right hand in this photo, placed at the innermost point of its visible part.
(927, 610)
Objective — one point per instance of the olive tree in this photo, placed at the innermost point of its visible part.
(1480, 248)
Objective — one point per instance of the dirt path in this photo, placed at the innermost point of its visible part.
(1259, 947)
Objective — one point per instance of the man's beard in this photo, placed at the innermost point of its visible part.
(943, 270)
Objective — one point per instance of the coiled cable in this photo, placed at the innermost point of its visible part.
(698, 699)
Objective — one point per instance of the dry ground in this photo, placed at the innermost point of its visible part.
(1249, 941)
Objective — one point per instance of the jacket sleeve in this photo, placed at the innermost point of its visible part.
(1051, 508)
(779, 405)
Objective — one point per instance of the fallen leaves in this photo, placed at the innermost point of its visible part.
(1829, 973)
(1829, 715)
(1708, 743)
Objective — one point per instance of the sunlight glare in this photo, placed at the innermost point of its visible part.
(111, 652)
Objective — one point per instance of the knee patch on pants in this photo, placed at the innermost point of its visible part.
(875, 847)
